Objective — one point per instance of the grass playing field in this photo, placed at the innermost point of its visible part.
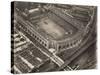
(52, 29)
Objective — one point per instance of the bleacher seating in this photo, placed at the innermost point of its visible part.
(68, 18)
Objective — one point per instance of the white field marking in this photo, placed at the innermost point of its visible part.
(28, 63)
(15, 68)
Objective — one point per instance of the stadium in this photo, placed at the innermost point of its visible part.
(57, 30)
